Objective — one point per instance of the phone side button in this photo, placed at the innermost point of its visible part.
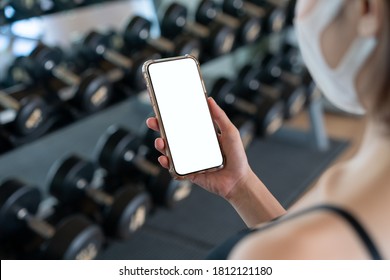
(151, 100)
(154, 110)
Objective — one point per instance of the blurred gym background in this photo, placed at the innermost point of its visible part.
(79, 177)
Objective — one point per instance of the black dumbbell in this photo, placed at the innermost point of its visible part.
(90, 92)
(17, 72)
(117, 42)
(273, 17)
(217, 39)
(122, 153)
(24, 109)
(248, 28)
(121, 214)
(285, 71)
(74, 237)
(96, 46)
(266, 112)
(137, 35)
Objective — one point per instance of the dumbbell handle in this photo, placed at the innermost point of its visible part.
(140, 162)
(291, 78)
(197, 29)
(99, 196)
(122, 62)
(241, 104)
(8, 102)
(147, 166)
(162, 44)
(66, 93)
(203, 32)
(37, 225)
(115, 57)
(256, 85)
(65, 75)
(227, 20)
(253, 10)
(95, 194)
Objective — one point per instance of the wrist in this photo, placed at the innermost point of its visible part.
(241, 187)
(253, 201)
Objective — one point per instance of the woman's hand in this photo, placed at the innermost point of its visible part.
(236, 168)
(236, 182)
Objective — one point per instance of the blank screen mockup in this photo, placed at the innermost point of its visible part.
(185, 115)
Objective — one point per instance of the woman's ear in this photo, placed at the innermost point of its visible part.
(370, 17)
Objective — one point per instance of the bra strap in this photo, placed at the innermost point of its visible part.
(357, 226)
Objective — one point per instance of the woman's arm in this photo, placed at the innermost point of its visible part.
(254, 202)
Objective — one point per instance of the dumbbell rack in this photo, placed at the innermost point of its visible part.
(32, 161)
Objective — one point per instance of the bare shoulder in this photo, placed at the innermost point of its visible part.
(315, 235)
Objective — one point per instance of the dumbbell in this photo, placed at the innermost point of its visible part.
(17, 72)
(24, 109)
(97, 46)
(122, 153)
(273, 17)
(248, 28)
(136, 82)
(70, 180)
(286, 72)
(217, 39)
(74, 237)
(90, 92)
(137, 35)
(266, 112)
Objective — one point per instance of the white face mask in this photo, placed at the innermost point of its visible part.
(338, 84)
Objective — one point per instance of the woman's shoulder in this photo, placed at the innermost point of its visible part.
(312, 235)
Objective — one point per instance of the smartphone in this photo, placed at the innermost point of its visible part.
(179, 100)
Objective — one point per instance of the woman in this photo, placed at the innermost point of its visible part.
(346, 46)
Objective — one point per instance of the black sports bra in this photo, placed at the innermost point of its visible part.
(222, 252)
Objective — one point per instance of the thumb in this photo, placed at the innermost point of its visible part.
(219, 116)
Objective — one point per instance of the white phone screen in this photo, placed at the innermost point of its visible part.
(185, 116)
